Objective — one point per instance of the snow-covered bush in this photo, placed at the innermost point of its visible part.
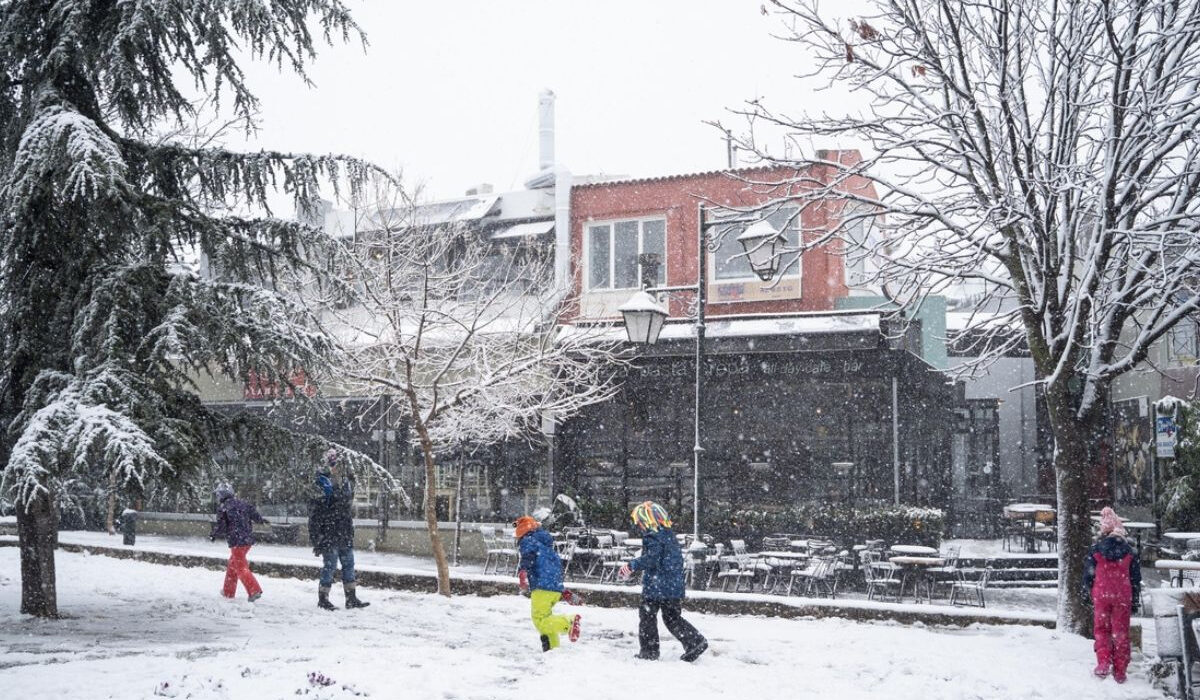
(845, 523)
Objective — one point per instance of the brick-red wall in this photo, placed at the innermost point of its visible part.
(677, 198)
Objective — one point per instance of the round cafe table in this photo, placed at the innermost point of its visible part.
(1136, 528)
(913, 568)
(1030, 514)
(914, 549)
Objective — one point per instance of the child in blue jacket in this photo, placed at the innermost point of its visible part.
(661, 565)
(541, 570)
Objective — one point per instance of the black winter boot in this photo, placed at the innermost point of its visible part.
(694, 653)
(352, 600)
(323, 599)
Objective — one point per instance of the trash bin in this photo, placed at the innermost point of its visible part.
(129, 526)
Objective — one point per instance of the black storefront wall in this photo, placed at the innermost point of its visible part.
(775, 424)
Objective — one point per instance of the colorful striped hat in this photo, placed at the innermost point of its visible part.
(650, 516)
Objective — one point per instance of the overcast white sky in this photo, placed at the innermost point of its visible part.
(448, 90)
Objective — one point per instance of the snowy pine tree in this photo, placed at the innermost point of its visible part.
(105, 324)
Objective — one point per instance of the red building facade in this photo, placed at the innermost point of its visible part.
(612, 223)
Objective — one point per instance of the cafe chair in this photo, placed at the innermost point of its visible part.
(613, 558)
(880, 577)
(566, 552)
(948, 573)
(741, 569)
(818, 576)
(974, 588)
(601, 553)
(498, 552)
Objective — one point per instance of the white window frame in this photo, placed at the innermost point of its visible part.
(612, 250)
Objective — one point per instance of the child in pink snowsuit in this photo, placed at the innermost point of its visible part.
(1112, 578)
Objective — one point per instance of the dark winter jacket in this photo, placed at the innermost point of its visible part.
(540, 561)
(235, 521)
(661, 565)
(330, 523)
(1112, 571)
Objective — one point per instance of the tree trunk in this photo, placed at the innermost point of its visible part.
(37, 532)
(1075, 450)
(435, 538)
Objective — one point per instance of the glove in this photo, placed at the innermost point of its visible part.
(523, 582)
(317, 551)
(212, 538)
(571, 598)
(625, 571)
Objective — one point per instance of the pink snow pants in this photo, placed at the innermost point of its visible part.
(239, 569)
(1111, 628)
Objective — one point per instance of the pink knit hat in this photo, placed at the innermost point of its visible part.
(1110, 524)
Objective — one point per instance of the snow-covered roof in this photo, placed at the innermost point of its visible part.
(812, 324)
(532, 228)
(455, 210)
(600, 180)
(525, 204)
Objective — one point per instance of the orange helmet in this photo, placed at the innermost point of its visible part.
(525, 525)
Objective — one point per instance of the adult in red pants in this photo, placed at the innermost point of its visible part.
(235, 521)
(1112, 577)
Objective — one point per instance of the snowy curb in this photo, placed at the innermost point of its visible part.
(599, 595)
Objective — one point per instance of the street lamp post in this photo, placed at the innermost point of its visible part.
(644, 316)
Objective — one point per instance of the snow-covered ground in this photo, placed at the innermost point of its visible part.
(1025, 601)
(132, 628)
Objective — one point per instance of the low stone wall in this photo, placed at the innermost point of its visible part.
(595, 595)
(401, 536)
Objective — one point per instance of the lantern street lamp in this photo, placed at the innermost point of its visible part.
(644, 315)
(644, 318)
(760, 241)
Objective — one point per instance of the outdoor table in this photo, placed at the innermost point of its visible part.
(1029, 514)
(1177, 565)
(1182, 536)
(1137, 528)
(915, 569)
(914, 549)
(795, 556)
(781, 568)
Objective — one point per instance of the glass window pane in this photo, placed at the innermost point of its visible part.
(625, 252)
(598, 259)
(654, 235)
(786, 217)
(729, 267)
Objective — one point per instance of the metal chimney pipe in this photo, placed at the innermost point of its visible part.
(546, 130)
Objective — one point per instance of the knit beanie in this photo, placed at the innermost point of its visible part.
(1110, 524)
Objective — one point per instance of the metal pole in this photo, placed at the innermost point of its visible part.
(458, 488)
(896, 439)
(701, 298)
